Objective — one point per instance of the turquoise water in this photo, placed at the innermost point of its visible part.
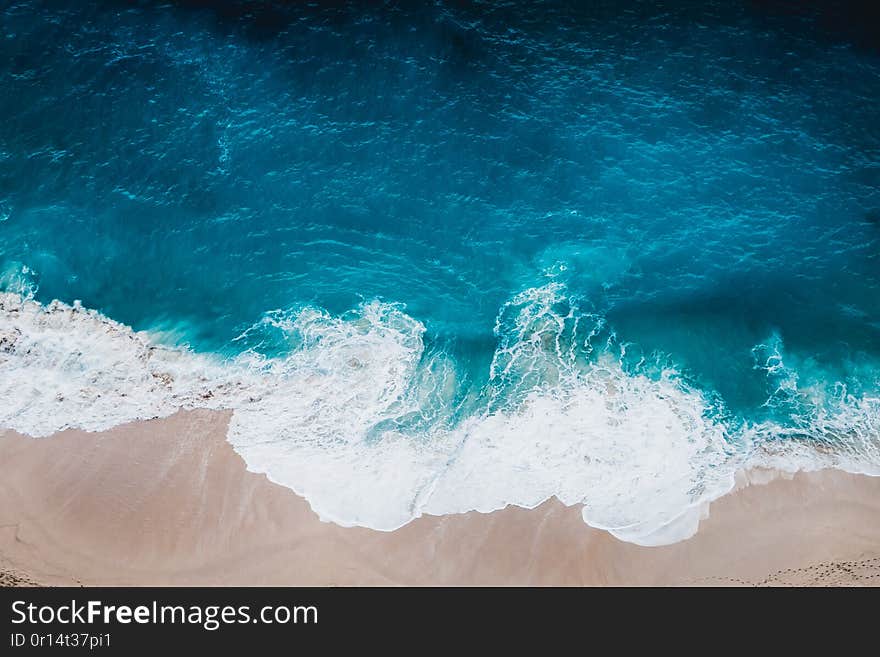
(680, 196)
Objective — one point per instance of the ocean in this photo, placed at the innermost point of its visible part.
(450, 256)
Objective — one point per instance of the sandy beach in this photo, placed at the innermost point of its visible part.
(168, 502)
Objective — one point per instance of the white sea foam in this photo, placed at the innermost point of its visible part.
(366, 424)
(64, 366)
(20, 279)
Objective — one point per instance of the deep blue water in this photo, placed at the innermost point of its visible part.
(705, 178)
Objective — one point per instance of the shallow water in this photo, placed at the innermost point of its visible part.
(450, 258)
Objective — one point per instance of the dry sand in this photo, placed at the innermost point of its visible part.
(168, 502)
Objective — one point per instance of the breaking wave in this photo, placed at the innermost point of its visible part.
(374, 428)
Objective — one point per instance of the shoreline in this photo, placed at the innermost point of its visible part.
(169, 502)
